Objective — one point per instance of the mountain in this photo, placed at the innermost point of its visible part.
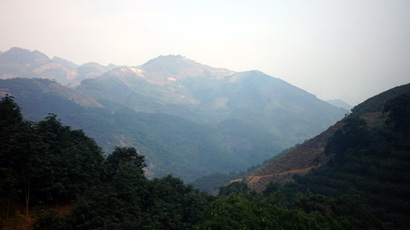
(164, 69)
(212, 96)
(171, 144)
(187, 118)
(65, 63)
(311, 155)
(340, 103)
(18, 62)
(358, 179)
(364, 184)
(42, 96)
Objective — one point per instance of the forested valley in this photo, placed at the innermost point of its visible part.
(187, 119)
(53, 177)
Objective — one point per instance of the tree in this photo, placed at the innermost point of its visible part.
(10, 122)
(236, 212)
(75, 160)
(121, 156)
(399, 113)
(173, 205)
(10, 112)
(21, 158)
(117, 204)
(352, 136)
(44, 161)
(22, 154)
(235, 188)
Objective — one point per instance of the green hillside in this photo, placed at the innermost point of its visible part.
(359, 177)
(171, 144)
(187, 118)
(59, 177)
(311, 153)
(371, 163)
(376, 103)
(364, 185)
(53, 177)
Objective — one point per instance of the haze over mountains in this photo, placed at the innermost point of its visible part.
(18, 62)
(187, 118)
(197, 123)
(340, 103)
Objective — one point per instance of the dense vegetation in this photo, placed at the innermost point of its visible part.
(169, 143)
(186, 118)
(378, 102)
(45, 161)
(372, 164)
(364, 186)
(45, 164)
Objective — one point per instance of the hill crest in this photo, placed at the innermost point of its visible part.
(310, 154)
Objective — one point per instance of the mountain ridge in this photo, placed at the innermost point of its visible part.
(239, 118)
(208, 97)
(18, 62)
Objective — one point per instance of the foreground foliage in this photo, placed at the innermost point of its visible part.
(364, 186)
(44, 162)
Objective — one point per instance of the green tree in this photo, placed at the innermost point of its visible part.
(75, 159)
(121, 156)
(11, 121)
(21, 153)
(352, 136)
(44, 161)
(235, 188)
(10, 113)
(117, 204)
(399, 113)
(236, 212)
(173, 205)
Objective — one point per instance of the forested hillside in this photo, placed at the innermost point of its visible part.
(45, 166)
(370, 163)
(171, 144)
(311, 154)
(53, 177)
(187, 118)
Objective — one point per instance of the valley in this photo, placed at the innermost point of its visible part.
(188, 119)
(90, 138)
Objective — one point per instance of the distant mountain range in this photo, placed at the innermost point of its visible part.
(188, 119)
(182, 87)
(23, 63)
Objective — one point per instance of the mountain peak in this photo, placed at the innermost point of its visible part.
(171, 63)
(179, 67)
(167, 58)
(24, 57)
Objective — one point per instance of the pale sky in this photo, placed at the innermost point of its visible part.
(345, 49)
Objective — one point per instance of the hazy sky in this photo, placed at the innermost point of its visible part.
(347, 49)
